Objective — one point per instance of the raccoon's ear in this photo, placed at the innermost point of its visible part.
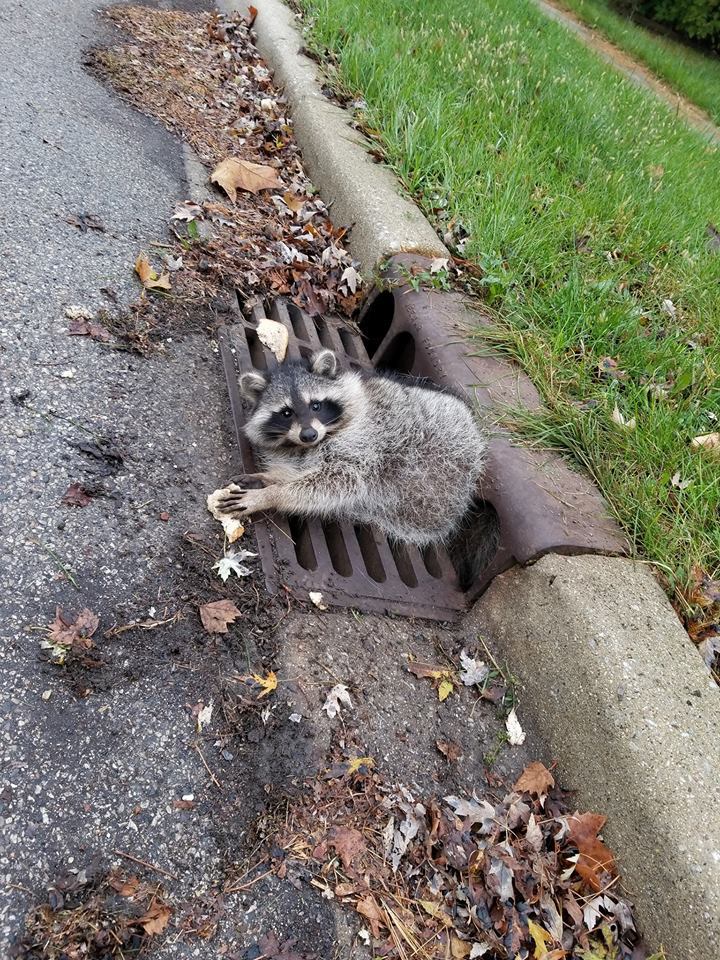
(252, 385)
(324, 364)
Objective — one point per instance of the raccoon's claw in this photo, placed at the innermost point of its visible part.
(232, 502)
(248, 481)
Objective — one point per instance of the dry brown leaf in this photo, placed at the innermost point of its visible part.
(76, 496)
(706, 441)
(293, 201)
(65, 633)
(449, 749)
(155, 919)
(218, 614)
(233, 175)
(148, 276)
(369, 908)
(426, 670)
(595, 858)
(348, 844)
(535, 778)
(125, 886)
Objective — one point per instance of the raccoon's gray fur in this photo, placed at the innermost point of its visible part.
(360, 447)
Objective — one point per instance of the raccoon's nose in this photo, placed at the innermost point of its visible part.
(308, 435)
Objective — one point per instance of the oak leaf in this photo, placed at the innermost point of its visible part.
(233, 174)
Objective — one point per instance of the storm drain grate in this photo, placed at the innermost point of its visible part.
(351, 565)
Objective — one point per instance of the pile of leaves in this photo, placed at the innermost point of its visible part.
(700, 611)
(514, 876)
(267, 234)
(98, 917)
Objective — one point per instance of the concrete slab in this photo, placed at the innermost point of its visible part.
(613, 687)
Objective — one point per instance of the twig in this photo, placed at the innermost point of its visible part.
(60, 563)
(144, 863)
(212, 775)
(250, 883)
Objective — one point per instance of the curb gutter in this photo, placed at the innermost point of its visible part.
(363, 193)
(609, 680)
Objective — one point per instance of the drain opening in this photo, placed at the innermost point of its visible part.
(302, 541)
(399, 354)
(323, 333)
(432, 562)
(370, 554)
(404, 564)
(257, 353)
(376, 320)
(336, 548)
(297, 320)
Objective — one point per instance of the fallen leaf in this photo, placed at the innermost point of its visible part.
(148, 276)
(368, 908)
(274, 336)
(164, 516)
(183, 804)
(76, 496)
(541, 938)
(358, 764)
(437, 911)
(535, 778)
(595, 858)
(233, 174)
(438, 264)
(706, 441)
(86, 221)
(668, 307)
(445, 688)
(621, 421)
(338, 696)
(426, 670)
(82, 326)
(656, 171)
(474, 811)
(472, 671)
(232, 563)
(609, 369)
(294, 202)
(187, 211)
(677, 482)
(516, 734)
(64, 635)
(713, 237)
(268, 683)
(449, 749)
(317, 598)
(351, 279)
(217, 614)
(155, 919)
(348, 844)
(124, 886)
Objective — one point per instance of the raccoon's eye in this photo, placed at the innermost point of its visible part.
(286, 412)
(315, 405)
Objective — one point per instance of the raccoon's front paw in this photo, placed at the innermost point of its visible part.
(240, 503)
(248, 481)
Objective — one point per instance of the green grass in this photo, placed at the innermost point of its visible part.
(691, 73)
(587, 205)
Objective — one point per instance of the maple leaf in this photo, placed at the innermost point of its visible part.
(348, 844)
(232, 563)
(595, 858)
(535, 778)
(148, 276)
(76, 496)
(233, 175)
(472, 671)
(64, 635)
(216, 616)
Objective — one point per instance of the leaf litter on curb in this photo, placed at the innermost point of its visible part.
(216, 615)
(201, 75)
(66, 637)
(502, 877)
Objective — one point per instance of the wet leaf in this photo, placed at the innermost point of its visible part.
(541, 938)
(216, 616)
(445, 688)
(65, 635)
(233, 174)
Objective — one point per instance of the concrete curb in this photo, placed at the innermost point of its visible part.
(608, 678)
(611, 685)
(363, 194)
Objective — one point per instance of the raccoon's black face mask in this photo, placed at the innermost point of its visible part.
(297, 406)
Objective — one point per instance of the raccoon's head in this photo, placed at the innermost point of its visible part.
(297, 405)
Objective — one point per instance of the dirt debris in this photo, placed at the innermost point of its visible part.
(200, 74)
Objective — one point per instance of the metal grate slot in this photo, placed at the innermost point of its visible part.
(351, 565)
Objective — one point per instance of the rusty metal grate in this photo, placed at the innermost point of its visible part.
(351, 565)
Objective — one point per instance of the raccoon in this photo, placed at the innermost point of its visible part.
(364, 447)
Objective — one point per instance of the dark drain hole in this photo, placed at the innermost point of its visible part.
(323, 333)
(336, 548)
(403, 564)
(431, 561)
(304, 550)
(370, 554)
(257, 354)
(297, 320)
(375, 322)
(399, 355)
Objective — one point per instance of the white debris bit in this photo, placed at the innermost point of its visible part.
(472, 671)
(232, 527)
(274, 336)
(204, 716)
(438, 264)
(622, 421)
(338, 696)
(516, 734)
(232, 563)
(317, 599)
(78, 313)
(295, 717)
